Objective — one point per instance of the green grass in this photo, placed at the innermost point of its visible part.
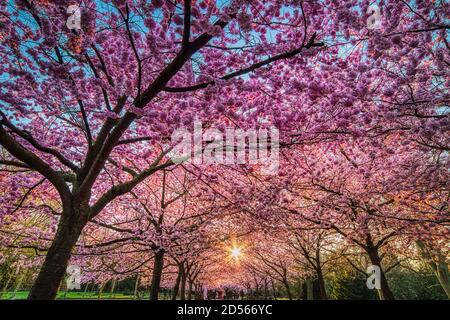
(20, 295)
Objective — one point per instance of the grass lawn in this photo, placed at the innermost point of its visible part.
(20, 295)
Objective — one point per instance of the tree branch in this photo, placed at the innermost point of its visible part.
(251, 68)
(28, 137)
(187, 24)
(25, 155)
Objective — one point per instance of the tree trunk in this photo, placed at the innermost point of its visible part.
(100, 290)
(189, 296)
(266, 290)
(439, 266)
(301, 289)
(183, 286)
(443, 275)
(17, 287)
(321, 283)
(196, 291)
(176, 287)
(274, 290)
(288, 289)
(86, 289)
(113, 287)
(309, 289)
(66, 288)
(136, 286)
(158, 265)
(55, 264)
(384, 292)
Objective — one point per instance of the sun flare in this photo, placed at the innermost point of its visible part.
(236, 253)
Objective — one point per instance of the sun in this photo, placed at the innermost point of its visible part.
(236, 252)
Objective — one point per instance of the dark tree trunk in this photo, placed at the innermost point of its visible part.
(309, 289)
(288, 289)
(384, 292)
(321, 284)
(266, 290)
(183, 286)
(158, 265)
(197, 291)
(274, 290)
(136, 286)
(52, 272)
(176, 287)
(189, 296)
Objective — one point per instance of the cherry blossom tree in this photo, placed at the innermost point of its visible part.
(87, 114)
(105, 89)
